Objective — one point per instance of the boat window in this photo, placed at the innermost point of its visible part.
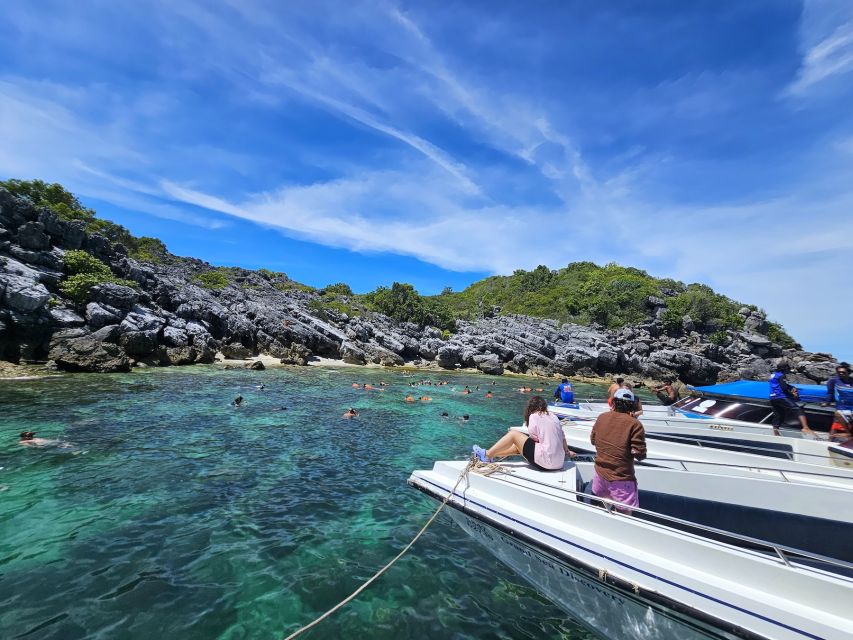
(724, 409)
(747, 412)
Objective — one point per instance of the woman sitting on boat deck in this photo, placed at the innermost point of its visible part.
(545, 447)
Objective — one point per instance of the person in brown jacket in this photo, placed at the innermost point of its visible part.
(619, 439)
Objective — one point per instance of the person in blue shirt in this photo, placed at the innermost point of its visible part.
(783, 398)
(841, 377)
(564, 392)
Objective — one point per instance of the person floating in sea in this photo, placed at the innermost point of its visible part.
(444, 414)
(839, 388)
(544, 445)
(425, 399)
(410, 398)
(238, 401)
(489, 394)
(356, 385)
(350, 413)
(465, 418)
(842, 426)
(564, 392)
(619, 439)
(525, 389)
(667, 393)
(260, 387)
(466, 390)
(29, 439)
(783, 397)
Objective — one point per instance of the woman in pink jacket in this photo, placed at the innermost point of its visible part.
(544, 446)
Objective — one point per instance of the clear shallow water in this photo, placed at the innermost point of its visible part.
(175, 515)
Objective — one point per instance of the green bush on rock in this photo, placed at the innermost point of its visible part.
(213, 279)
(146, 249)
(84, 272)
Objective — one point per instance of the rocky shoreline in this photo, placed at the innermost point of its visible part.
(171, 317)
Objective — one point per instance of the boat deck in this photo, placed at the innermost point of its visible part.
(569, 483)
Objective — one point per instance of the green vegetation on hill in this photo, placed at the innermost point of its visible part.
(612, 295)
(402, 303)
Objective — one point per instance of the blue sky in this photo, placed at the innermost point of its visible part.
(438, 142)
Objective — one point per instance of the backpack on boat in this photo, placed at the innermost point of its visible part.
(844, 397)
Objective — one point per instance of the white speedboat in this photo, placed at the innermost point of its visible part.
(681, 453)
(648, 575)
(713, 429)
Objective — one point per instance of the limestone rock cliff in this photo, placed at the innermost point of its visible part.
(170, 317)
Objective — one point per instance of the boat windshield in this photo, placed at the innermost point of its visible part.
(730, 409)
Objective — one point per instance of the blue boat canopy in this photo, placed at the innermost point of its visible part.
(761, 390)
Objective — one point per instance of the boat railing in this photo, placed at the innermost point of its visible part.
(700, 442)
(751, 467)
(787, 555)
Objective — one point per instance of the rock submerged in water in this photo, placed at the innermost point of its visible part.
(170, 319)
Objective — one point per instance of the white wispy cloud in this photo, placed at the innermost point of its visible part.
(827, 45)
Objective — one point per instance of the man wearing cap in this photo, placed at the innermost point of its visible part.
(619, 439)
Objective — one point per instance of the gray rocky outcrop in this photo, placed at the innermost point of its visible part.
(236, 351)
(87, 353)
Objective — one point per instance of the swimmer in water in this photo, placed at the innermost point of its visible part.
(350, 413)
(426, 399)
(355, 385)
(489, 394)
(465, 418)
(444, 414)
(368, 387)
(260, 387)
(29, 438)
(410, 398)
(237, 401)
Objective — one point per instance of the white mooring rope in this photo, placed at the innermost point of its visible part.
(487, 469)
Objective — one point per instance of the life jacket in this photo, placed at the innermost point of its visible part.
(566, 392)
(844, 397)
(776, 389)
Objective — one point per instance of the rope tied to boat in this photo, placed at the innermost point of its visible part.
(472, 463)
(488, 468)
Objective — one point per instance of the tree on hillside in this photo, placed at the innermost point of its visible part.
(404, 304)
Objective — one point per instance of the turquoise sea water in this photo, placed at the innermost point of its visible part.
(169, 514)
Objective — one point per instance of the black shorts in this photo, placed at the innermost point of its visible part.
(782, 409)
(528, 450)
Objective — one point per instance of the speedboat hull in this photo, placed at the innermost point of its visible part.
(611, 610)
(631, 578)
